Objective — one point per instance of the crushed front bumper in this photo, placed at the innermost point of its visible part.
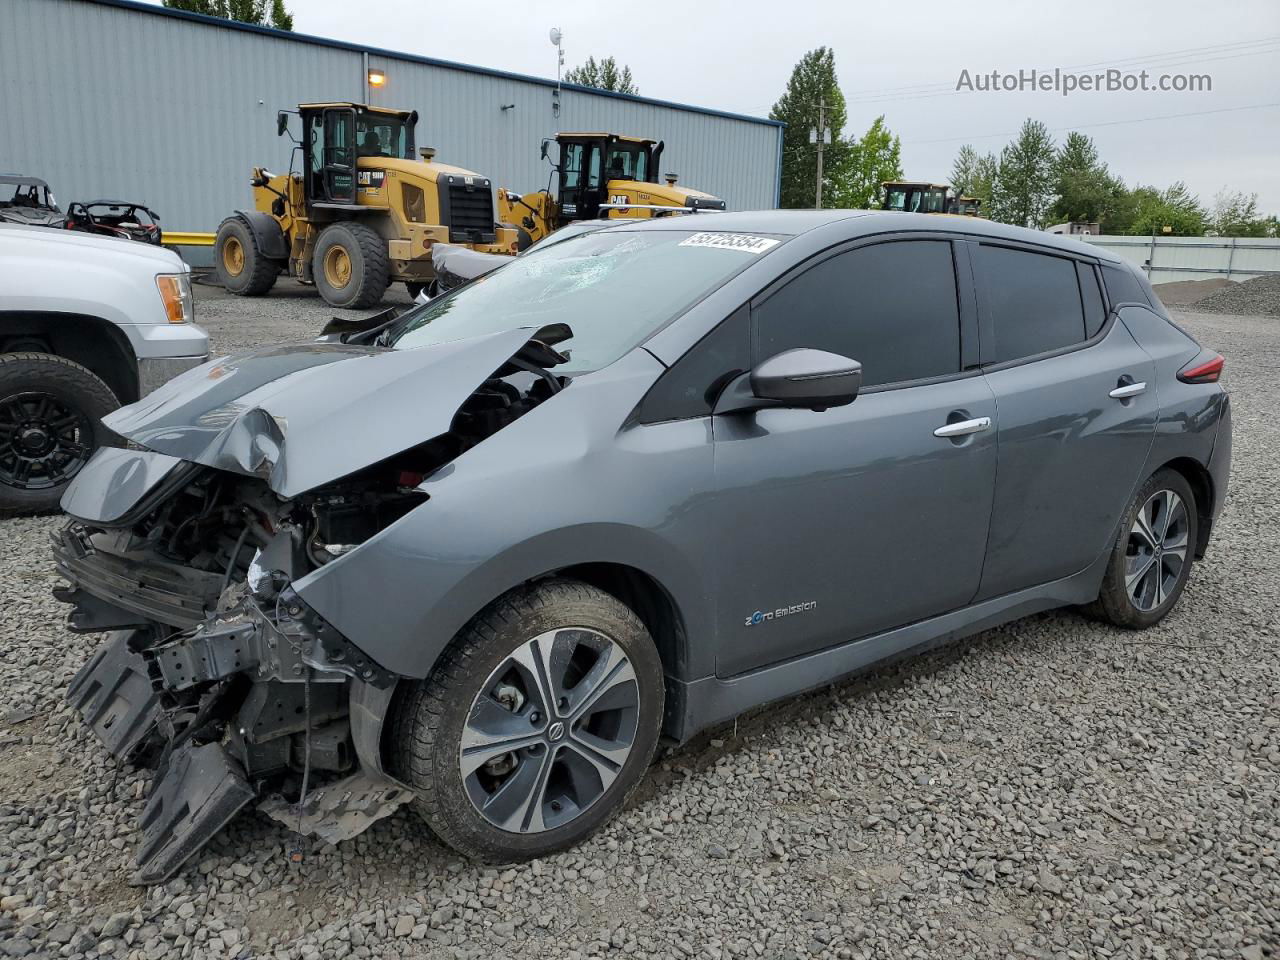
(229, 710)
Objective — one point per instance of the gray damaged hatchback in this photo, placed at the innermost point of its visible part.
(481, 556)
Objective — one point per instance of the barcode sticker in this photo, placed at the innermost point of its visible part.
(730, 241)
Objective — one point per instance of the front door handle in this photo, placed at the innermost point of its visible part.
(1126, 390)
(963, 427)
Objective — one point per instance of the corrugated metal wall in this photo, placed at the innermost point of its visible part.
(109, 101)
(1167, 259)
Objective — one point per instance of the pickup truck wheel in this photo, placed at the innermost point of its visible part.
(50, 424)
(350, 266)
(536, 725)
(241, 267)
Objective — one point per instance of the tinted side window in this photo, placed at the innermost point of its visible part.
(1033, 300)
(690, 387)
(1095, 311)
(891, 306)
(1122, 285)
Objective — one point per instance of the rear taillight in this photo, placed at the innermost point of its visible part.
(1207, 371)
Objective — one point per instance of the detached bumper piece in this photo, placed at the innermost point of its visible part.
(114, 695)
(197, 793)
(341, 810)
(133, 585)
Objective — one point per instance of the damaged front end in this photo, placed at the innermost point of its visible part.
(216, 672)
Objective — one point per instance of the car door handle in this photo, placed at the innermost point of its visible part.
(1124, 391)
(963, 427)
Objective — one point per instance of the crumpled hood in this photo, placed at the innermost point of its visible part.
(305, 414)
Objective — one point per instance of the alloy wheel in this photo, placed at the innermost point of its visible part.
(550, 730)
(43, 441)
(1157, 550)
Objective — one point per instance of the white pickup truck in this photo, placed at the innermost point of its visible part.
(86, 323)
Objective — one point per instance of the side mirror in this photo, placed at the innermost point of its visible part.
(282, 123)
(803, 378)
(544, 148)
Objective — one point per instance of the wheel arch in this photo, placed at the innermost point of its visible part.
(266, 233)
(648, 599)
(96, 344)
(1201, 482)
(637, 589)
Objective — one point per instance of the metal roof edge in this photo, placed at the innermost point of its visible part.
(156, 10)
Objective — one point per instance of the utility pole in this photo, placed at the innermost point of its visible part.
(820, 135)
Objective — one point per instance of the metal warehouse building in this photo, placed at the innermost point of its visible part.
(116, 99)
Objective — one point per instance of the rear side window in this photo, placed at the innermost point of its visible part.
(1095, 310)
(1123, 286)
(1033, 301)
(892, 307)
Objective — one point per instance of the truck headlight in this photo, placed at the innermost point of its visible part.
(175, 294)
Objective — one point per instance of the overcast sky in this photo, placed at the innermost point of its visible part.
(894, 58)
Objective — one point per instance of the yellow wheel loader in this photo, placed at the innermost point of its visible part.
(916, 197)
(363, 212)
(599, 175)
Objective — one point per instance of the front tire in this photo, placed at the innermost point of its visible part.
(1151, 558)
(51, 412)
(536, 725)
(350, 266)
(242, 269)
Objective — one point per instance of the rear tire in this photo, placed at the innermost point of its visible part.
(53, 409)
(350, 266)
(1151, 558)
(241, 267)
(571, 764)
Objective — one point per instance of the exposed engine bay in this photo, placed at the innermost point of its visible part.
(216, 672)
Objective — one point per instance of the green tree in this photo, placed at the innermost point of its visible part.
(604, 75)
(813, 81)
(963, 169)
(973, 175)
(1085, 189)
(1023, 188)
(260, 12)
(872, 159)
(1175, 207)
(281, 18)
(1236, 215)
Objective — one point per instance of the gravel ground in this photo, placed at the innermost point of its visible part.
(1053, 788)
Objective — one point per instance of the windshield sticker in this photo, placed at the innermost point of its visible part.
(730, 241)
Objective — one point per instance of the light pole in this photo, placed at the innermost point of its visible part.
(820, 135)
(556, 36)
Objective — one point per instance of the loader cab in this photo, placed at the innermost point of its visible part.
(589, 161)
(909, 197)
(334, 138)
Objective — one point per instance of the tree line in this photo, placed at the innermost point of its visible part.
(1032, 182)
(1035, 182)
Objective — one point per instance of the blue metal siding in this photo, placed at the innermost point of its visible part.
(108, 117)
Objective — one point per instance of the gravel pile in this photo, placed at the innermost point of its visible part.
(1050, 789)
(1181, 293)
(1259, 297)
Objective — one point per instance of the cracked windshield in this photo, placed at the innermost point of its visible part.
(613, 288)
